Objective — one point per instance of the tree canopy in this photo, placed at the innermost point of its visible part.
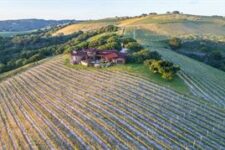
(167, 69)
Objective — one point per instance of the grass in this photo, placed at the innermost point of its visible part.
(149, 39)
(94, 38)
(182, 26)
(170, 25)
(143, 71)
(139, 70)
(83, 26)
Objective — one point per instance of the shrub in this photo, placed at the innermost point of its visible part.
(167, 69)
(109, 28)
(175, 43)
(96, 43)
(83, 45)
(127, 40)
(141, 56)
(19, 62)
(176, 12)
(113, 39)
(111, 46)
(215, 59)
(34, 58)
(2, 67)
(133, 47)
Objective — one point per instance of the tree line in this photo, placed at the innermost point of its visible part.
(24, 49)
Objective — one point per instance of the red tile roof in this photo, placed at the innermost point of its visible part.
(110, 56)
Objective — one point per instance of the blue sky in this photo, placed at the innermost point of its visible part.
(95, 9)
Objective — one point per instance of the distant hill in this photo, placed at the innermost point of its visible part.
(85, 26)
(51, 104)
(30, 24)
(180, 25)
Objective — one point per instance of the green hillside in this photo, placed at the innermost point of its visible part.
(186, 26)
(52, 104)
(203, 37)
(204, 81)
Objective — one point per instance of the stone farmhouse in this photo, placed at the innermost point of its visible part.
(97, 58)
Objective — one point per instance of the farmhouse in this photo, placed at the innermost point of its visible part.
(94, 57)
(112, 56)
(78, 56)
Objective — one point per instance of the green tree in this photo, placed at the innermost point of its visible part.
(215, 59)
(111, 46)
(109, 28)
(83, 45)
(141, 56)
(127, 40)
(2, 67)
(133, 47)
(97, 42)
(19, 62)
(34, 58)
(113, 39)
(167, 69)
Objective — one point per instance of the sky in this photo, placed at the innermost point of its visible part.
(96, 9)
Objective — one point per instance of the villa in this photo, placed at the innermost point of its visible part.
(94, 57)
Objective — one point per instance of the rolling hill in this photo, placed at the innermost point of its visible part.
(203, 80)
(52, 106)
(85, 26)
(181, 25)
(14, 27)
(202, 37)
(79, 27)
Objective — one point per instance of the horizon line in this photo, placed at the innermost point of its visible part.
(110, 17)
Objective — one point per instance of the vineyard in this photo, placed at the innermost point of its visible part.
(52, 106)
(203, 81)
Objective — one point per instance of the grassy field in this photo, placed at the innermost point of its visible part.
(184, 26)
(53, 106)
(84, 26)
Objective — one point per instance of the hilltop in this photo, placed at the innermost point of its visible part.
(153, 30)
(179, 25)
(30, 24)
(51, 104)
(164, 24)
